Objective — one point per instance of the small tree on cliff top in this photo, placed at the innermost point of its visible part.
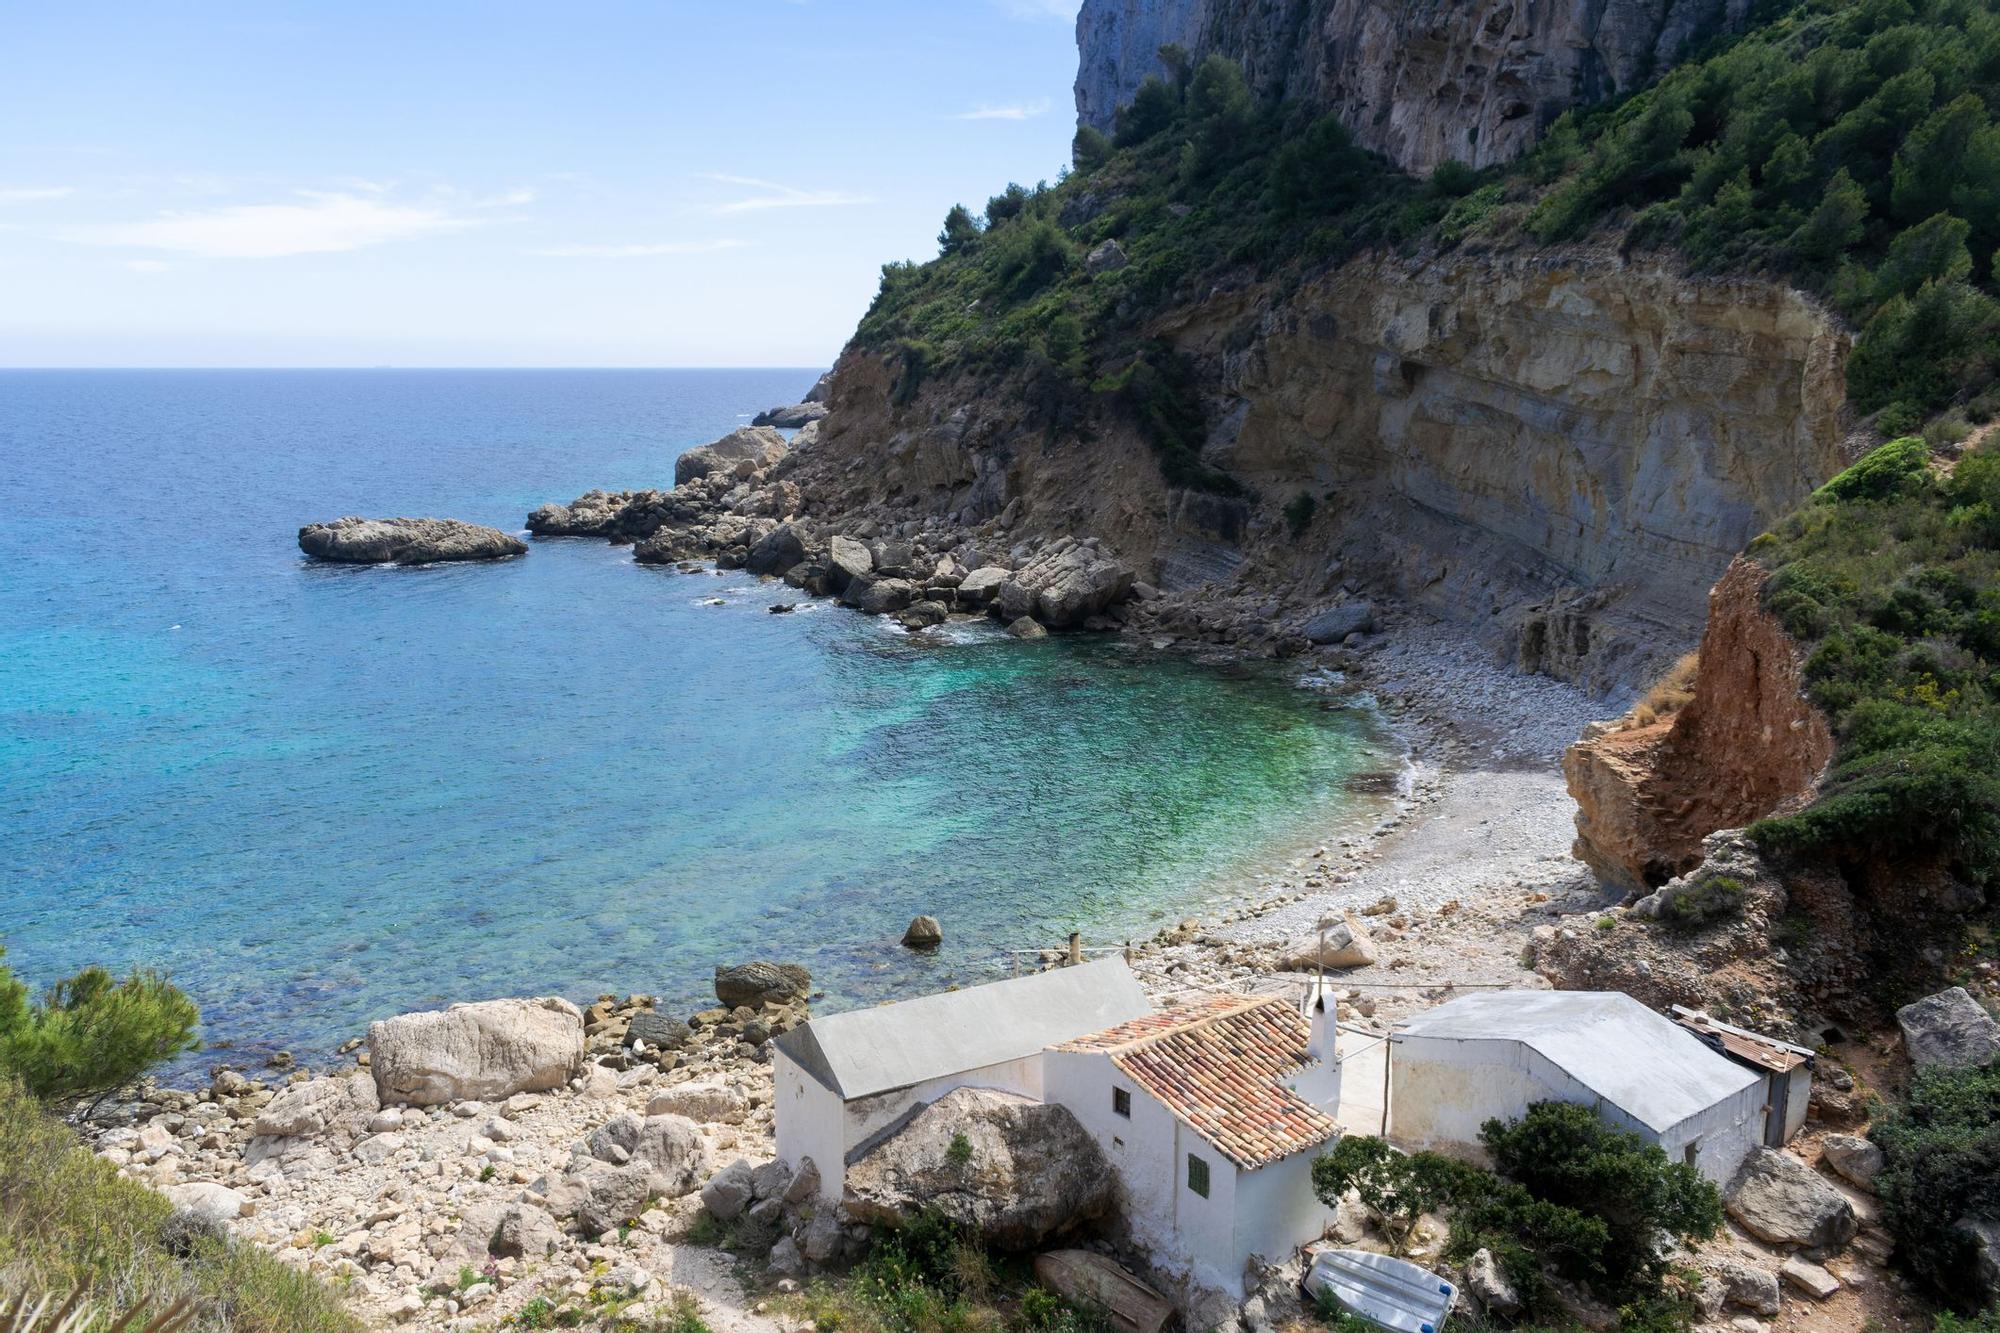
(91, 1034)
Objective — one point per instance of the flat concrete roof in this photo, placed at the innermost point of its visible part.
(868, 1051)
(1645, 1064)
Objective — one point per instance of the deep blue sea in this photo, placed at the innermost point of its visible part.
(320, 795)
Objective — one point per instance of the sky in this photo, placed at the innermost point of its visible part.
(493, 182)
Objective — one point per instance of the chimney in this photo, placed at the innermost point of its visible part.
(1319, 1082)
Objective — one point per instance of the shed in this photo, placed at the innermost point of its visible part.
(1787, 1070)
(844, 1082)
(1211, 1115)
(1493, 1054)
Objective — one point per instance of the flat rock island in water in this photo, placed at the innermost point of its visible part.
(405, 541)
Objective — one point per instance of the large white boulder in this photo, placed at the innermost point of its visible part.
(476, 1052)
(1782, 1201)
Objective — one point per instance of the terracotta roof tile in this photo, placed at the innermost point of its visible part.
(1220, 1067)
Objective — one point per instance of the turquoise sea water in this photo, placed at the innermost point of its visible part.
(319, 795)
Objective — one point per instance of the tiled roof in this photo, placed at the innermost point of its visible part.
(1220, 1067)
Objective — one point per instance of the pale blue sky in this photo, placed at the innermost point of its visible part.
(596, 182)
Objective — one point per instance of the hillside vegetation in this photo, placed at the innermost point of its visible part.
(1848, 145)
(1888, 577)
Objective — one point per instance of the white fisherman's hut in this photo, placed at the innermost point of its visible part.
(845, 1082)
(1211, 1115)
(1493, 1054)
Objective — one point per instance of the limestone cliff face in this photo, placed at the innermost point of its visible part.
(1421, 81)
(1561, 452)
(1748, 744)
(1569, 447)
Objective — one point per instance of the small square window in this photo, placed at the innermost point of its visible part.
(1121, 1102)
(1198, 1175)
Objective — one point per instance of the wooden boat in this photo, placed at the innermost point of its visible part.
(1084, 1278)
(1388, 1292)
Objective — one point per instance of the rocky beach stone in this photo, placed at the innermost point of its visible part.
(847, 560)
(1950, 1029)
(405, 541)
(757, 446)
(728, 1192)
(1033, 1171)
(761, 983)
(1746, 1286)
(1345, 944)
(482, 1051)
(1064, 585)
(777, 551)
(706, 1101)
(660, 1031)
(1854, 1158)
(667, 1147)
(319, 1108)
(526, 1232)
(211, 1203)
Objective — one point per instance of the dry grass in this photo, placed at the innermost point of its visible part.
(69, 1221)
(1672, 692)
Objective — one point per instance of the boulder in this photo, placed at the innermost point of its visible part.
(1782, 1201)
(785, 1260)
(923, 932)
(661, 1031)
(1982, 1235)
(824, 1236)
(756, 984)
(728, 1192)
(1853, 1158)
(706, 1102)
(792, 417)
(476, 1052)
(875, 595)
(805, 1183)
(525, 1232)
(1064, 586)
(1027, 627)
(1345, 944)
(1948, 1029)
(923, 615)
(1336, 624)
(777, 550)
(1033, 1172)
(319, 1107)
(405, 541)
(846, 561)
(1489, 1286)
(758, 446)
(1107, 257)
(667, 1147)
(612, 1196)
(771, 1180)
(981, 585)
(214, 1204)
(1747, 1286)
(893, 558)
(592, 514)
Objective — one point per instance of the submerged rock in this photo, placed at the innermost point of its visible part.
(405, 541)
(924, 932)
(755, 984)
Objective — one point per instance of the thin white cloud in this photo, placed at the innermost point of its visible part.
(34, 194)
(320, 224)
(507, 199)
(641, 250)
(148, 265)
(1042, 9)
(1018, 111)
(773, 195)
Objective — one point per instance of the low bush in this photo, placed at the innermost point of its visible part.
(1704, 902)
(69, 1220)
(1941, 1163)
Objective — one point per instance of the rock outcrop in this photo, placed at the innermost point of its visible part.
(405, 541)
(742, 452)
(1750, 743)
(1015, 1171)
(319, 1108)
(757, 984)
(1420, 81)
(476, 1052)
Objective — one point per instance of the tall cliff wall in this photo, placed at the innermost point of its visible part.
(1563, 451)
(1421, 81)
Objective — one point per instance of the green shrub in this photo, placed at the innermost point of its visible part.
(1941, 1163)
(1299, 513)
(1705, 902)
(960, 1151)
(68, 1220)
(1397, 1187)
(90, 1035)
